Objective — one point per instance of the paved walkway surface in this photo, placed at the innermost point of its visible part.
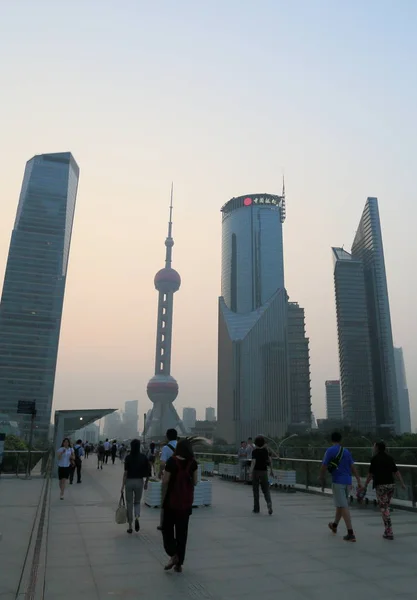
(232, 554)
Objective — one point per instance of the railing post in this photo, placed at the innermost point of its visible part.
(307, 475)
(17, 464)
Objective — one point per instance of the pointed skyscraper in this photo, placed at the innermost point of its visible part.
(162, 388)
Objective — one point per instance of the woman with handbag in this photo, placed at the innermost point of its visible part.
(66, 461)
(137, 468)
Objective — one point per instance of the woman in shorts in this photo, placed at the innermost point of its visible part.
(65, 460)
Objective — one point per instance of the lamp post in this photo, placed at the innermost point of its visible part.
(274, 442)
(286, 439)
(370, 443)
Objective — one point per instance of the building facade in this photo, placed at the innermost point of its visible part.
(34, 285)
(402, 392)
(253, 366)
(189, 417)
(210, 413)
(368, 248)
(299, 361)
(130, 419)
(355, 360)
(333, 400)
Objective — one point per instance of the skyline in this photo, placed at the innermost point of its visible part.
(331, 105)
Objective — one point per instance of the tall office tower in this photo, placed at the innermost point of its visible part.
(299, 360)
(402, 392)
(34, 286)
(367, 247)
(354, 342)
(253, 372)
(113, 426)
(333, 400)
(189, 417)
(210, 413)
(130, 419)
(162, 388)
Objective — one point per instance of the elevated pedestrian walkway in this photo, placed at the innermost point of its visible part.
(78, 550)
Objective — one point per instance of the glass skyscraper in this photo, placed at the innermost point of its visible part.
(253, 366)
(34, 286)
(366, 351)
(368, 248)
(402, 392)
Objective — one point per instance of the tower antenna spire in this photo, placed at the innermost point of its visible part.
(169, 242)
(283, 207)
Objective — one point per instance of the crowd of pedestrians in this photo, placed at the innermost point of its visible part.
(178, 470)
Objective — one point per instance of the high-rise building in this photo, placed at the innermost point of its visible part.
(113, 426)
(253, 369)
(367, 247)
(130, 419)
(354, 342)
(333, 400)
(366, 349)
(189, 417)
(402, 392)
(34, 286)
(162, 388)
(299, 360)
(210, 414)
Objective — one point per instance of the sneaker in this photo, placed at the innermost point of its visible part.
(350, 537)
(270, 511)
(137, 526)
(388, 536)
(255, 512)
(332, 527)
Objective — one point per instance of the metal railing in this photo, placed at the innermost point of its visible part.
(24, 462)
(308, 471)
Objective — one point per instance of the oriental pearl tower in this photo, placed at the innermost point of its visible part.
(162, 389)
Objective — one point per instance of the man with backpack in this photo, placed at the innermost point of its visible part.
(78, 454)
(339, 463)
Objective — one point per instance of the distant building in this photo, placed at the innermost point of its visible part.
(368, 248)
(113, 426)
(402, 391)
(313, 421)
(299, 362)
(91, 434)
(130, 419)
(34, 287)
(355, 358)
(253, 370)
(205, 429)
(333, 400)
(210, 414)
(189, 417)
(330, 425)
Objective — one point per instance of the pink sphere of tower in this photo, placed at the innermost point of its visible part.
(162, 388)
(167, 280)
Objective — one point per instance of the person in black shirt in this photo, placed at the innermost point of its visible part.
(259, 472)
(382, 471)
(137, 468)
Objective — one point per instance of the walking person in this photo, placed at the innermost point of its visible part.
(152, 457)
(260, 463)
(113, 451)
(86, 449)
(339, 463)
(137, 469)
(65, 461)
(242, 458)
(78, 454)
(107, 447)
(382, 471)
(101, 453)
(178, 482)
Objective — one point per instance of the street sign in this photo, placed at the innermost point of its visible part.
(26, 407)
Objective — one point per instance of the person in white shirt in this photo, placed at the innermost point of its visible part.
(65, 462)
(107, 447)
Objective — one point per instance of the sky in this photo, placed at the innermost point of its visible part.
(223, 98)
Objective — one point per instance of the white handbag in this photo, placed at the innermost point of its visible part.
(121, 512)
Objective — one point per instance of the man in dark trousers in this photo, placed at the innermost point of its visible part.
(167, 451)
(78, 454)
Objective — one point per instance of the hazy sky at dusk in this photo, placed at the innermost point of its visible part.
(221, 97)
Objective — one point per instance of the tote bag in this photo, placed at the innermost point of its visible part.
(121, 512)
